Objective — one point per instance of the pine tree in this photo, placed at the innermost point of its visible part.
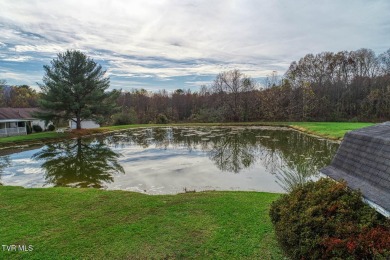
(74, 88)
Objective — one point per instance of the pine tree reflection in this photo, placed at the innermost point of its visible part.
(80, 163)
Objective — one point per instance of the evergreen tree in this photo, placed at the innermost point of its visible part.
(74, 88)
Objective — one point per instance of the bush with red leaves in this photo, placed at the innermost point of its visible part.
(324, 219)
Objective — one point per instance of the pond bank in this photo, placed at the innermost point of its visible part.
(329, 130)
(96, 224)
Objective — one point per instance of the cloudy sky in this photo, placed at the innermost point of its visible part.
(183, 44)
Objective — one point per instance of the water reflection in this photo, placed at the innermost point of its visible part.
(4, 163)
(167, 160)
(80, 163)
(294, 158)
(234, 152)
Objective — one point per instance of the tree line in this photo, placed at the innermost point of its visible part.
(342, 86)
(18, 96)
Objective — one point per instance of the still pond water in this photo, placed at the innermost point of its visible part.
(174, 160)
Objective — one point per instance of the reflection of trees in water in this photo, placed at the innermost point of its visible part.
(292, 156)
(289, 178)
(4, 163)
(296, 158)
(234, 152)
(231, 151)
(80, 163)
(140, 137)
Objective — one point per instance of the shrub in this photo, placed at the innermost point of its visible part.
(37, 128)
(354, 120)
(208, 115)
(324, 219)
(28, 129)
(162, 119)
(51, 127)
(125, 118)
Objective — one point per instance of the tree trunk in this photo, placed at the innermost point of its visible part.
(78, 123)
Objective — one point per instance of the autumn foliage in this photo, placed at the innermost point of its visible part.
(324, 219)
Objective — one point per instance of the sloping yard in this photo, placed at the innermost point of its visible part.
(66, 223)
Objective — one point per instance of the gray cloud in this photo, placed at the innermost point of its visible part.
(160, 40)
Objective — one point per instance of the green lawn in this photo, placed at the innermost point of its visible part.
(32, 137)
(95, 224)
(333, 130)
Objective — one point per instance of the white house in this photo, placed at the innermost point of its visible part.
(10, 127)
(13, 121)
(85, 124)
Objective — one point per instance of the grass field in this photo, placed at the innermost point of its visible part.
(332, 130)
(32, 137)
(66, 223)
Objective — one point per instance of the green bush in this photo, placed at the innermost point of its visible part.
(51, 127)
(37, 128)
(206, 115)
(162, 119)
(324, 219)
(28, 129)
(125, 118)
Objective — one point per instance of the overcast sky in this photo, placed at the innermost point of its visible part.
(183, 44)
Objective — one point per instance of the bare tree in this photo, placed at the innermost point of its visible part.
(384, 61)
(231, 87)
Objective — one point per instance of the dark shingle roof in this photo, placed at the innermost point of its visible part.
(17, 113)
(363, 160)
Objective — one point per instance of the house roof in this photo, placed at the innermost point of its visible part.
(7, 113)
(363, 161)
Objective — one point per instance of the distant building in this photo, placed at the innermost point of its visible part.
(85, 124)
(14, 121)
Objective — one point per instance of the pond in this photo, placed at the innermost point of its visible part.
(174, 160)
